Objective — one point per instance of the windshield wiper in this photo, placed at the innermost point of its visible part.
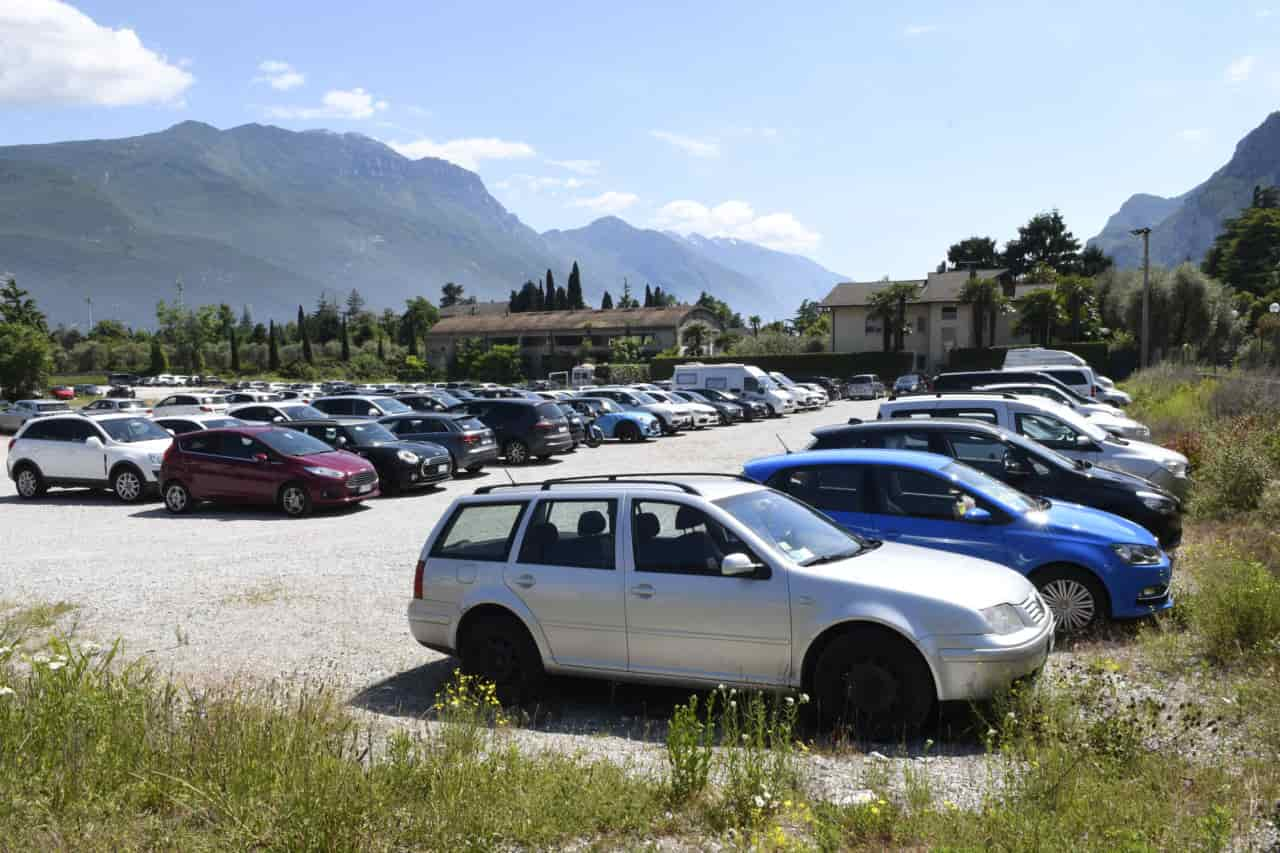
(832, 558)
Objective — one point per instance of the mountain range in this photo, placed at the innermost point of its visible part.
(1184, 227)
(261, 216)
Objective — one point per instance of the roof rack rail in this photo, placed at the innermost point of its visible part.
(645, 479)
(1007, 395)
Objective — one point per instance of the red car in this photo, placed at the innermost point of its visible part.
(262, 465)
(63, 392)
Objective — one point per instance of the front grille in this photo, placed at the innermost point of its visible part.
(1033, 608)
(363, 478)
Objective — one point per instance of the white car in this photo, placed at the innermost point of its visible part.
(1055, 427)
(701, 414)
(862, 387)
(1103, 414)
(815, 388)
(1109, 393)
(672, 419)
(279, 412)
(805, 399)
(704, 580)
(13, 417)
(190, 404)
(117, 405)
(121, 452)
(181, 424)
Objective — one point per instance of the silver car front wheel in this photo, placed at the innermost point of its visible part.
(28, 483)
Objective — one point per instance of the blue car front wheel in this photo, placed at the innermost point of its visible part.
(1076, 598)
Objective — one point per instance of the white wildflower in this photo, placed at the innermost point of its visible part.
(759, 801)
(55, 665)
(6, 691)
(790, 701)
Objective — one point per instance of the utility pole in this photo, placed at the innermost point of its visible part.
(88, 300)
(1145, 234)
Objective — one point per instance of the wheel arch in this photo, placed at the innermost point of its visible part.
(1076, 567)
(889, 632)
(502, 610)
(121, 464)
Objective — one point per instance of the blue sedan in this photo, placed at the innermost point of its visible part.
(1087, 564)
(617, 422)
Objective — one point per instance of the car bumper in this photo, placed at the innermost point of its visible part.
(340, 495)
(481, 455)
(976, 667)
(431, 623)
(703, 419)
(561, 443)
(425, 473)
(1138, 591)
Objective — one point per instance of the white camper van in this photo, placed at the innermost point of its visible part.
(1033, 357)
(750, 382)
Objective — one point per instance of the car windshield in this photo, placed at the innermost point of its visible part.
(53, 407)
(390, 406)
(991, 488)
(446, 400)
(288, 442)
(802, 534)
(371, 433)
(643, 399)
(302, 413)
(129, 430)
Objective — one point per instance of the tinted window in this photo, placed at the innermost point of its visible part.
(390, 406)
(180, 427)
(838, 488)
(903, 440)
(550, 411)
(239, 446)
(976, 449)
(674, 538)
(410, 426)
(919, 494)
(201, 442)
(299, 413)
(288, 442)
(985, 415)
(1045, 429)
(479, 532)
(369, 433)
(52, 407)
(571, 533)
(129, 430)
(1068, 377)
(334, 407)
(256, 413)
(78, 431)
(718, 383)
(41, 430)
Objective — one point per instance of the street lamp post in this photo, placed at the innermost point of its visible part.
(1145, 234)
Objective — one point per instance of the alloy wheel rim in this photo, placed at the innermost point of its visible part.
(27, 483)
(127, 486)
(1071, 602)
(176, 497)
(293, 501)
(516, 452)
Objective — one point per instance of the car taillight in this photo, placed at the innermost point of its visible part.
(12, 442)
(206, 408)
(470, 438)
(545, 426)
(417, 579)
(168, 454)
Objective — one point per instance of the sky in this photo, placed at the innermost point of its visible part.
(867, 136)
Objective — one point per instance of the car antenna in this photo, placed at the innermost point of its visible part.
(783, 443)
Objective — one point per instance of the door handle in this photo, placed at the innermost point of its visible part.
(525, 581)
(643, 590)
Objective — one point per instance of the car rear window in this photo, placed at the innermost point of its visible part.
(470, 423)
(480, 532)
(52, 407)
(131, 404)
(550, 411)
(390, 406)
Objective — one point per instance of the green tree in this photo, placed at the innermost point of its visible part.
(273, 348)
(382, 352)
(159, 359)
(1046, 240)
(606, 302)
(754, 321)
(346, 342)
(648, 296)
(418, 318)
(18, 308)
(627, 300)
(625, 350)
(26, 359)
(234, 342)
(1094, 261)
(226, 319)
(451, 294)
(903, 292)
(111, 330)
(562, 299)
(986, 301)
(882, 306)
(574, 290)
(499, 364)
(326, 322)
(307, 355)
(1039, 313)
(355, 303)
(1076, 297)
(1246, 255)
(979, 252)
(694, 338)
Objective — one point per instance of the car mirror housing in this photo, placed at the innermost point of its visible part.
(977, 515)
(260, 458)
(1084, 442)
(737, 565)
(94, 442)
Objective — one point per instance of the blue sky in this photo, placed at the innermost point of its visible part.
(866, 137)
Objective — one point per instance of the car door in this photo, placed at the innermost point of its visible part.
(81, 461)
(1056, 435)
(837, 491)
(984, 452)
(923, 508)
(237, 471)
(42, 443)
(566, 572)
(685, 618)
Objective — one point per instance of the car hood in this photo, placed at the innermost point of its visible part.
(927, 573)
(1145, 450)
(422, 448)
(155, 445)
(1114, 478)
(1069, 520)
(340, 460)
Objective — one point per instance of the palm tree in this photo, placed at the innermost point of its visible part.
(987, 300)
(1075, 293)
(883, 306)
(1038, 314)
(755, 321)
(903, 292)
(694, 336)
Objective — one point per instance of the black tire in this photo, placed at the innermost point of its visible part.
(474, 469)
(294, 500)
(628, 432)
(29, 481)
(516, 452)
(177, 497)
(1079, 603)
(499, 649)
(128, 484)
(896, 692)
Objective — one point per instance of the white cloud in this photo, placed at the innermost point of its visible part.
(1193, 134)
(688, 144)
(51, 52)
(919, 30)
(737, 219)
(580, 167)
(466, 153)
(544, 183)
(1239, 70)
(607, 202)
(336, 103)
(279, 75)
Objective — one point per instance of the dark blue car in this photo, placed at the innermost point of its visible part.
(1087, 564)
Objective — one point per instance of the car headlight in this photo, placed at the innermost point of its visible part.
(1157, 502)
(408, 456)
(1003, 619)
(1176, 467)
(1137, 555)
(1143, 432)
(321, 471)
(155, 458)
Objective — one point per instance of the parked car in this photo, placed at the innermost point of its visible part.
(278, 412)
(1109, 393)
(834, 389)
(672, 419)
(13, 417)
(701, 415)
(1057, 428)
(433, 401)
(967, 380)
(1022, 463)
(1088, 565)
(861, 387)
(91, 390)
(182, 424)
(263, 465)
(745, 380)
(62, 392)
(112, 405)
(702, 580)
(402, 464)
(470, 443)
(1105, 416)
(524, 429)
(243, 397)
(806, 398)
(577, 424)
(752, 410)
(1077, 377)
(616, 422)
(910, 383)
(360, 406)
(190, 404)
(727, 413)
(121, 452)
(121, 392)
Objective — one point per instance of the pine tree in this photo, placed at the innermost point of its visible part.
(159, 361)
(346, 341)
(606, 301)
(576, 301)
(549, 293)
(273, 348)
(235, 350)
(382, 352)
(648, 297)
(307, 355)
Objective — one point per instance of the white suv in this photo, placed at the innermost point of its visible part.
(701, 580)
(119, 452)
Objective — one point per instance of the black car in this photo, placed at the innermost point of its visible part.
(751, 409)
(730, 413)
(910, 383)
(430, 401)
(524, 428)
(577, 423)
(1022, 463)
(471, 444)
(833, 387)
(401, 464)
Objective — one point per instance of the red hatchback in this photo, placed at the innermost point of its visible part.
(262, 465)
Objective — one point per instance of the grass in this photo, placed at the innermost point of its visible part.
(29, 619)
(257, 596)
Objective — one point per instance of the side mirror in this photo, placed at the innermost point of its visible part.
(93, 442)
(277, 419)
(1084, 442)
(737, 565)
(260, 458)
(1013, 466)
(373, 413)
(977, 515)
(342, 441)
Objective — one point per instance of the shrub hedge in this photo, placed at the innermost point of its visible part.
(1117, 364)
(840, 365)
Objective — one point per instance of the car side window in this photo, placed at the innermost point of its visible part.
(1045, 429)
(41, 431)
(750, 383)
(180, 427)
(913, 413)
(717, 383)
(919, 494)
(79, 432)
(982, 450)
(481, 532)
(239, 446)
(904, 440)
(675, 538)
(985, 415)
(202, 442)
(254, 413)
(838, 488)
(578, 533)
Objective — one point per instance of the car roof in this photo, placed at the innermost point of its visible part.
(328, 422)
(916, 459)
(915, 424)
(710, 486)
(200, 418)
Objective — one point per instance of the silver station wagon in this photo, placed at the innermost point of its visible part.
(701, 580)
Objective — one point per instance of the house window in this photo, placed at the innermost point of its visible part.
(873, 326)
(949, 312)
(921, 324)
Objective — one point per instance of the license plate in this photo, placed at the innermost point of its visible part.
(442, 468)
(364, 490)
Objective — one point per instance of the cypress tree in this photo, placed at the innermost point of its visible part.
(235, 350)
(549, 293)
(346, 341)
(576, 301)
(273, 348)
(306, 337)
(648, 297)
(606, 301)
(159, 361)
(302, 322)
(562, 299)
(382, 353)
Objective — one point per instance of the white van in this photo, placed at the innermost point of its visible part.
(746, 380)
(1077, 377)
(1025, 357)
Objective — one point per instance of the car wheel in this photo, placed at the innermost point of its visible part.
(628, 432)
(127, 484)
(294, 500)
(873, 682)
(176, 498)
(724, 419)
(1076, 598)
(474, 469)
(30, 483)
(517, 452)
(500, 650)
